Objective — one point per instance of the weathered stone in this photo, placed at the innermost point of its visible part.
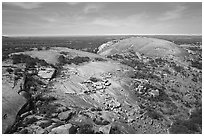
(30, 120)
(46, 73)
(56, 120)
(49, 128)
(65, 115)
(34, 129)
(105, 129)
(40, 131)
(12, 102)
(43, 123)
(53, 115)
(63, 129)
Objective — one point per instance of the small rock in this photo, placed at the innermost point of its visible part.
(34, 129)
(23, 131)
(63, 129)
(101, 121)
(38, 103)
(61, 109)
(99, 87)
(38, 117)
(53, 115)
(154, 93)
(25, 114)
(40, 131)
(56, 120)
(130, 120)
(117, 104)
(107, 84)
(113, 119)
(49, 128)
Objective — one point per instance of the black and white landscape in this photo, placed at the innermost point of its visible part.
(101, 68)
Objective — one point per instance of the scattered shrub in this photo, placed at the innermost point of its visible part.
(64, 53)
(76, 60)
(100, 59)
(154, 115)
(196, 64)
(86, 129)
(93, 79)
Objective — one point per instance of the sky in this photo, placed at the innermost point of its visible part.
(100, 18)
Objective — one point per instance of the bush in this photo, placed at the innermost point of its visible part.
(100, 59)
(86, 129)
(196, 64)
(64, 53)
(9, 70)
(76, 60)
(154, 115)
(93, 79)
(30, 62)
(62, 59)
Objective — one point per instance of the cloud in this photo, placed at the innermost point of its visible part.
(92, 7)
(72, 3)
(49, 19)
(105, 22)
(25, 5)
(172, 14)
(128, 21)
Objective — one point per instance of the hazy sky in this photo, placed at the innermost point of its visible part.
(101, 18)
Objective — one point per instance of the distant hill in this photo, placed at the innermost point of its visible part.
(151, 47)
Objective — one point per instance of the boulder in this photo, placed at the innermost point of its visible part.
(12, 103)
(63, 129)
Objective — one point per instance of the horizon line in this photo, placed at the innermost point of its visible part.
(91, 35)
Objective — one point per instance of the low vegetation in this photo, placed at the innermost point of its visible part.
(30, 62)
(76, 60)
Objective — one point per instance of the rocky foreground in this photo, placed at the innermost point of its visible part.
(74, 92)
